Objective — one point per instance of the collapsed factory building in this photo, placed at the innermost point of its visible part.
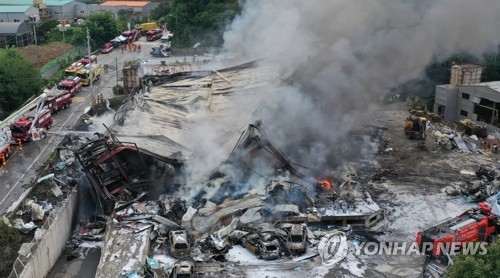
(194, 179)
(253, 198)
(137, 190)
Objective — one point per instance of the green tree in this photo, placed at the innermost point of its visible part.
(46, 26)
(103, 27)
(194, 21)
(19, 80)
(10, 240)
(479, 266)
(439, 72)
(491, 67)
(72, 35)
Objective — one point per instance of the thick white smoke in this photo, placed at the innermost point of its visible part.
(346, 56)
(349, 53)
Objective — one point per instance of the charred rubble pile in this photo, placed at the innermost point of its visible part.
(470, 138)
(55, 181)
(477, 185)
(274, 212)
(465, 136)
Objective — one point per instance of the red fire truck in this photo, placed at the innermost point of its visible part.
(57, 100)
(153, 35)
(29, 126)
(107, 48)
(476, 224)
(73, 84)
(5, 146)
(131, 35)
(92, 59)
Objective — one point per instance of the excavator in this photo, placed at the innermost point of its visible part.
(415, 127)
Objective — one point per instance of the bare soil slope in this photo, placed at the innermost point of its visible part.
(46, 53)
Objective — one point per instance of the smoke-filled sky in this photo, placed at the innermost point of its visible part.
(344, 56)
(348, 53)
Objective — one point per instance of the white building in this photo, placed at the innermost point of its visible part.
(39, 9)
(18, 13)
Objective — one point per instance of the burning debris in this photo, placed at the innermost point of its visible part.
(141, 193)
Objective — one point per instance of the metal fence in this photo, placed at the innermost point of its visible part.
(49, 69)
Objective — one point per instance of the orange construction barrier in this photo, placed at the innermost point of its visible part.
(20, 144)
(4, 162)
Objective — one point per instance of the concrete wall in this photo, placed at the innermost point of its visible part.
(446, 96)
(475, 94)
(53, 242)
(84, 10)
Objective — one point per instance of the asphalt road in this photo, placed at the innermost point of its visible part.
(20, 168)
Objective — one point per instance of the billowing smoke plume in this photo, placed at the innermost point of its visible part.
(346, 56)
(350, 53)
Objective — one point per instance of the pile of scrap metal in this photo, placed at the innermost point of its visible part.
(466, 136)
(120, 172)
(483, 183)
(271, 223)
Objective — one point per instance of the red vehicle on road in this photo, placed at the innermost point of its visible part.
(107, 48)
(474, 225)
(29, 127)
(72, 84)
(153, 35)
(57, 100)
(131, 35)
(92, 59)
(6, 148)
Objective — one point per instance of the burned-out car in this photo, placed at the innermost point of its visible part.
(297, 240)
(183, 269)
(269, 250)
(179, 243)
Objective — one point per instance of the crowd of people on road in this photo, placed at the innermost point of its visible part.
(132, 47)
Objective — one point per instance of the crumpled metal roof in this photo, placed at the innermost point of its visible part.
(198, 107)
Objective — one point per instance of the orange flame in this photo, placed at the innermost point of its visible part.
(326, 184)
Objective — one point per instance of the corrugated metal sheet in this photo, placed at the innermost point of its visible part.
(198, 108)
(13, 28)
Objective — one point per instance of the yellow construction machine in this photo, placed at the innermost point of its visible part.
(415, 127)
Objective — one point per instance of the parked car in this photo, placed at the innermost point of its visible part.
(297, 240)
(183, 269)
(179, 243)
(269, 250)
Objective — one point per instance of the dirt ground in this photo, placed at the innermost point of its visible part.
(46, 53)
(412, 191)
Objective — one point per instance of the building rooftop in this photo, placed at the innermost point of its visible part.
(15, 8)
(30, 2)
(494, 85)
(13, 28)
(125, 3)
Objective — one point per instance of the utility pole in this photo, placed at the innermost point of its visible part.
(36, 43)
(116, 61)
(63, 24)
(90, 66)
